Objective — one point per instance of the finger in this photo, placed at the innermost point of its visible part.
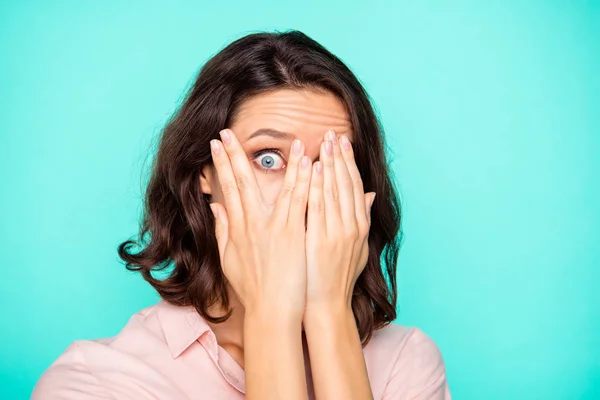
(233, 202)
(330, 193)
(344, 183)
(315, 218)
(282, 206)
(221, 226)
(369, 199)
(299, 200)
(242, 170)
(357, 183)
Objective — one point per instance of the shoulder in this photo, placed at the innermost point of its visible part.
(402, 343)
(90, 369)
(69, 376)
(408, 362)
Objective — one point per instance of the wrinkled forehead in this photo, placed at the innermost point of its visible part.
(305, 114)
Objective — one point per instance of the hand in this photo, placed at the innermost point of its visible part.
(337, 226)
(262, 251)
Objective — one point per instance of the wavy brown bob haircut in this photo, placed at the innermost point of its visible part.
(177, 231)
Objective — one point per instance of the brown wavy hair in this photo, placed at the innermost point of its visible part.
(176, 235)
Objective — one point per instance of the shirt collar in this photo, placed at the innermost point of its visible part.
(181, 326)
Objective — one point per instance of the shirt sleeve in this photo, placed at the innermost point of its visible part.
(419, 371)
(69, 378)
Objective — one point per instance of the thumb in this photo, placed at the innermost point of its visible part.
(369, 199)
(221, 226)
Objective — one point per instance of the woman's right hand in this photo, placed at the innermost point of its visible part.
(262, 248)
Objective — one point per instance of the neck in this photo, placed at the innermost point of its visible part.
(230, 332)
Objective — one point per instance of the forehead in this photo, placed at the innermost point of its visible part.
(306, 114)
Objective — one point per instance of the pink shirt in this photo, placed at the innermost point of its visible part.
(169, 352)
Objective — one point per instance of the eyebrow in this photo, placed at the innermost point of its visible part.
(272, 133)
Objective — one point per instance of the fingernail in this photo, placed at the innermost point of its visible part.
(346, 142)
(214, 210)
(304, 162)
(330, 135)
(225, 136)
(334, 138)
(216, 147)
(328, 147)
(318, 167)
(297, 146)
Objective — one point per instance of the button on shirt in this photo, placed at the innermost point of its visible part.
(170, 352)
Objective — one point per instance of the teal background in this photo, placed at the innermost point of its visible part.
(492, 114)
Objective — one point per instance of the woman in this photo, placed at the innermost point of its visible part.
(272, 211)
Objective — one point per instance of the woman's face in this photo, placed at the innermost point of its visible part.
(266, 125)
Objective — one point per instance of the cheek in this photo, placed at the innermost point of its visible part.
(269, 185)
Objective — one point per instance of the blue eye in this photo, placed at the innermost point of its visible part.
(269, 160)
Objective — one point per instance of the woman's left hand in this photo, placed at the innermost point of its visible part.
(338, 222)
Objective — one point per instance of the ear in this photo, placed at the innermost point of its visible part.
(207, 176)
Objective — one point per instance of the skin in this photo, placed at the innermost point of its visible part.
(292, 241)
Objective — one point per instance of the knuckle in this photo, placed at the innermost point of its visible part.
(363, 227)
(299, 199)
(348, 183)
(317, 207)
(351, 233)
(358, 182)
(333, 193)
(363, 230)
(241, 182)
(228, 187)
(287, 190)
